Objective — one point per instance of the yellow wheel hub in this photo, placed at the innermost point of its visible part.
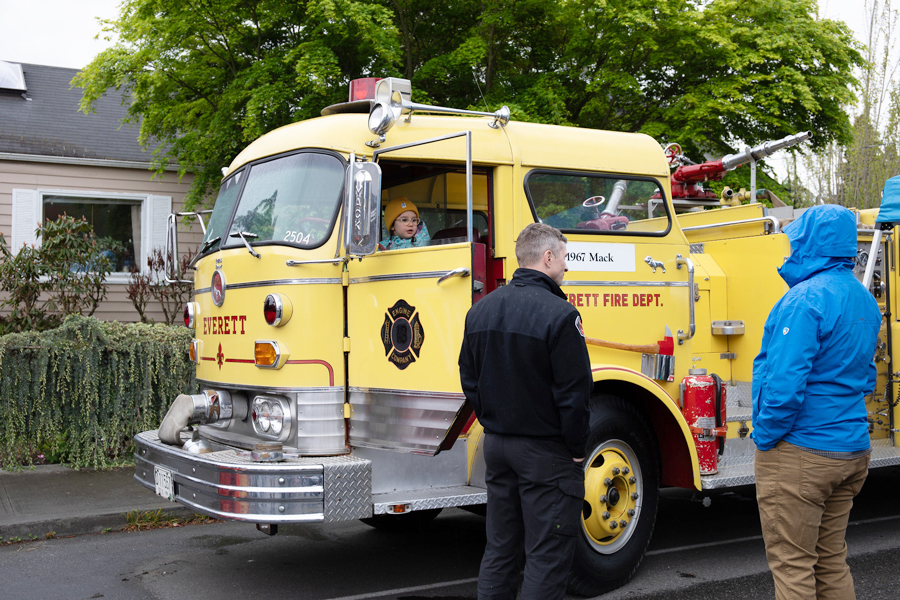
(611, 493)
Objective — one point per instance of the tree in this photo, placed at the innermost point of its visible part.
(872, 157)
(208, 76)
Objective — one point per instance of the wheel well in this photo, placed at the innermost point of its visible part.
(674, 455)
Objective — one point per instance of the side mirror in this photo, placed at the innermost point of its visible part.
(363, 204)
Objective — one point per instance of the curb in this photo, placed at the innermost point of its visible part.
(74, 526)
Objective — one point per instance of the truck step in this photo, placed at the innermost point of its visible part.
(445, 497)
(739, 469)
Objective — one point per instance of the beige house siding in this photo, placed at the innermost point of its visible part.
(47, 176)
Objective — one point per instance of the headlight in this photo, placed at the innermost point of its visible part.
(271, 416)
(276, 419)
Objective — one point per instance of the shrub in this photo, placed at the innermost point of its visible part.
(70, 266)
(82, 391)
(171, 296)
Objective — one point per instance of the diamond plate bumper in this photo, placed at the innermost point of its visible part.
(226, 484)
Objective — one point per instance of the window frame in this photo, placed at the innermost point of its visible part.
(601, 175)
(147, 214)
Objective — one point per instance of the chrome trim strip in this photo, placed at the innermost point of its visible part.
(417, 393)
(254, 284)
(309, 281)
(267, 389)
(626, 283)
(399, 277)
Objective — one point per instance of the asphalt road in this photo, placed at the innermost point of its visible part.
(701, 549)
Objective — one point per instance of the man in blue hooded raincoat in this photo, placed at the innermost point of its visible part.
(809, 416)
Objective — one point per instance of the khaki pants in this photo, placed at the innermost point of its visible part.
(804, 505)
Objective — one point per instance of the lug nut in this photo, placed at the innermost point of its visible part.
(604, 499)
(625, 471)
(632, 479)
(613, 525)
(615, 470)
(634, 496)
(607, 481)
(623, 523)
(606, 514)
(630, 512)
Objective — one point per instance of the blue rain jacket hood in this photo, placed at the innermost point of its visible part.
(815, 365)
(824, 237)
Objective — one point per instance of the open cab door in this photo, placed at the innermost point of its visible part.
(406, 308)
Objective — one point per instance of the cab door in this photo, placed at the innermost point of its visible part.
(406, 312)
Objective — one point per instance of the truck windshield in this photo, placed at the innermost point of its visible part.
(293, 199)
(221, 211)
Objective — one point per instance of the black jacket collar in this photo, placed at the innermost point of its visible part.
(524, 276)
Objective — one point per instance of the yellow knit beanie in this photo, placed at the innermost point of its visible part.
(395, 208)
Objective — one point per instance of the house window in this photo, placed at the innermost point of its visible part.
(116, 223)
(130, 225)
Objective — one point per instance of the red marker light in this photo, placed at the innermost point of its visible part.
(363, 89)
(187, 315)
(270, 309)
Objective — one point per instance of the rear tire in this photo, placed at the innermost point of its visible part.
(621, 449)
(413, 521)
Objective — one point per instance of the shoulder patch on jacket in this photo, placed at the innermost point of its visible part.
(578, 325)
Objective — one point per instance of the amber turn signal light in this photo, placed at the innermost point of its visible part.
(266, 353)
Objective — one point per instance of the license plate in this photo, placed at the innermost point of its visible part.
(165, 486)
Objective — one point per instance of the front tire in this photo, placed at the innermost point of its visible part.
(621, 497)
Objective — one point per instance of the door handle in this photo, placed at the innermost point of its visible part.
(679, 261)
(460, 272)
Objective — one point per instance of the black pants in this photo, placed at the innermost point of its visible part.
(535, 493)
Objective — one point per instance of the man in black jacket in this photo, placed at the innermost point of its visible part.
(524, 367)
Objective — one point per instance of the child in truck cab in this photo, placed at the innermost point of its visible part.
(405, 229)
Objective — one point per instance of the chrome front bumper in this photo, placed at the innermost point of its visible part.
(227, 484)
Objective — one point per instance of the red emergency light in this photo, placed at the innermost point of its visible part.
(363, 89)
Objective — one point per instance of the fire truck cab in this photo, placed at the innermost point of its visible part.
(327, 368)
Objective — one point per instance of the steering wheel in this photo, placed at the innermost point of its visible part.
(673, 153)
(594, 201)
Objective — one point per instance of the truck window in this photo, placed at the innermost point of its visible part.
(292, 200)
(598, 204)
(439, 193)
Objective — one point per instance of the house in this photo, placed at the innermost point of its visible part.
(55, 159)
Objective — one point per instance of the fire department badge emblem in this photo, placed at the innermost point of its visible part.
(218, 288)
(402, 334)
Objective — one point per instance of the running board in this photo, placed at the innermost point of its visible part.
(735, 475)
(410, 500)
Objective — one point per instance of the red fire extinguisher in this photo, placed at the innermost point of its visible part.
(704, 411)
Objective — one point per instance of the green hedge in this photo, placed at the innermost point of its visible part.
(79, 393)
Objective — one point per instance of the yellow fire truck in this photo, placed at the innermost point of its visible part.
(328, 367)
